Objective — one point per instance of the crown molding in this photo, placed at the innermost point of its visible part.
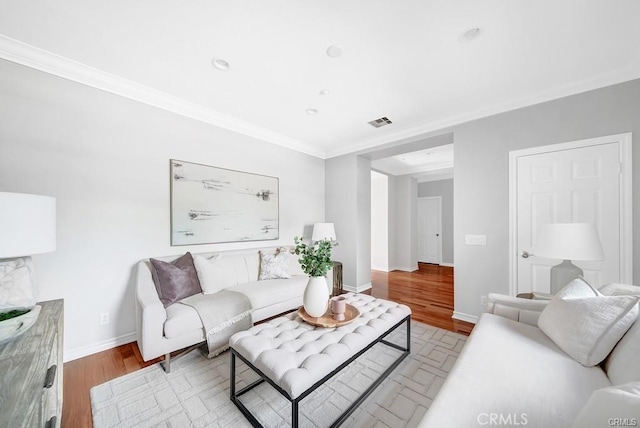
(413, 133)
(57, 65)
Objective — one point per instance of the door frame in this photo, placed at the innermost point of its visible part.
(439, 198)
(626, 200)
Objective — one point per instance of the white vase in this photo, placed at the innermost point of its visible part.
(316, 296)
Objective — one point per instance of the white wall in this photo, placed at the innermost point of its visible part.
(379, 221)
(106, 160)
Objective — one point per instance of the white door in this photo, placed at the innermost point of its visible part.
(429, 226)
(571, 183)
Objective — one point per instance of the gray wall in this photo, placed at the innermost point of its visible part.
(106, 160)
(406, 199)
(348, 180)
(481, 186)
(444, 189)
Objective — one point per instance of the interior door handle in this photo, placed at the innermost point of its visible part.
(526, 254)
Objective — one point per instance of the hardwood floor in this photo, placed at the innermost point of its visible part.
(428, 291)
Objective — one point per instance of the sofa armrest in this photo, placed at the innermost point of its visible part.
(522, 310)
(150, 313)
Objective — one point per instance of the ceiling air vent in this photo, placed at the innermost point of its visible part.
(380, 122)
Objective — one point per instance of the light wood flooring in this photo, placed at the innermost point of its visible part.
(428, 291)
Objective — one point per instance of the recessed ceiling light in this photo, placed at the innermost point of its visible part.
(324, 92)
(220, 64)
(334, 51)
(311, 111)
(469, 35)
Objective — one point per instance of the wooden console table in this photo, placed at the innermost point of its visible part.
(31, 372)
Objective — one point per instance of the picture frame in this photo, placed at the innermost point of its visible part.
(211, 205)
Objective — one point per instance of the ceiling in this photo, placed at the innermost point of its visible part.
(403, 60)
(434, 163)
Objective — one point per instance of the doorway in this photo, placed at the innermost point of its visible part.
(430, 229)
(580, 181)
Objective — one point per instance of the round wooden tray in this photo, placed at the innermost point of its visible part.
(327, 320)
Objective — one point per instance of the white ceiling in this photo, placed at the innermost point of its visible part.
(402, 60)
(425, 165)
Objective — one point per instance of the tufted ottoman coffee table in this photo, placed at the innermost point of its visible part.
(296, 357)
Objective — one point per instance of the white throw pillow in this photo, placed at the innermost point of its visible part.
(274, 266)
(17, 287)
(215, 274)
(586, 324)
(617, 405)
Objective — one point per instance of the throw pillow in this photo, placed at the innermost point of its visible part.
(274, 266)
(586, 324)
(614, 403)
(17, 287)
(176, 280)
(215, 273)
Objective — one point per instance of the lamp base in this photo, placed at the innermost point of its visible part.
(562, 274)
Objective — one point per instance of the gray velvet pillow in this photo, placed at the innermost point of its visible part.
(176, 280)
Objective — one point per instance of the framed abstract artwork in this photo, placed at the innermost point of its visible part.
(212, 205)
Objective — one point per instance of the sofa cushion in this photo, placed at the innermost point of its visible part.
(175, 280)
(274, 266)
(511, 368)
(272, 291)
(615, 403)
(181, 319)
(623, 365)
(586, 324)
(215, 273)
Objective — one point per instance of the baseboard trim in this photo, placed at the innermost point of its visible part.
(465, 317)
(358, 289)
(404, 268)
(381, 269)
(83, 351)
(446, 264)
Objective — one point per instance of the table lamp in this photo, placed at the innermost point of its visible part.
(322, 231)
(567, 241)
(27, 227)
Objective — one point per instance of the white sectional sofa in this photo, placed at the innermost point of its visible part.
(510, 373)
(161, 330)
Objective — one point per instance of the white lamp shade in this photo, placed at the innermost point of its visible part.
(569, 241)
(323, 231)
(27, 224)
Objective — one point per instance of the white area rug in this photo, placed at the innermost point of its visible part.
(196, 392)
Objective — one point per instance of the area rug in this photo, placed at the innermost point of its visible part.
(196, 392)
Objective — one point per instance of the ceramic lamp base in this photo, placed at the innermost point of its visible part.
(563, 274)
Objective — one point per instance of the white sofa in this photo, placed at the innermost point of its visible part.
(511, 374)
(161, 330)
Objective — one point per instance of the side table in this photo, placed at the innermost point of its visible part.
(337, 279)
(536, 295)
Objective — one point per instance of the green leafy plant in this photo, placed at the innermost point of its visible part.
(316, 258)
(13, 314)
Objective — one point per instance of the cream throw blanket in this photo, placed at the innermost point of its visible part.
(223, 314)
